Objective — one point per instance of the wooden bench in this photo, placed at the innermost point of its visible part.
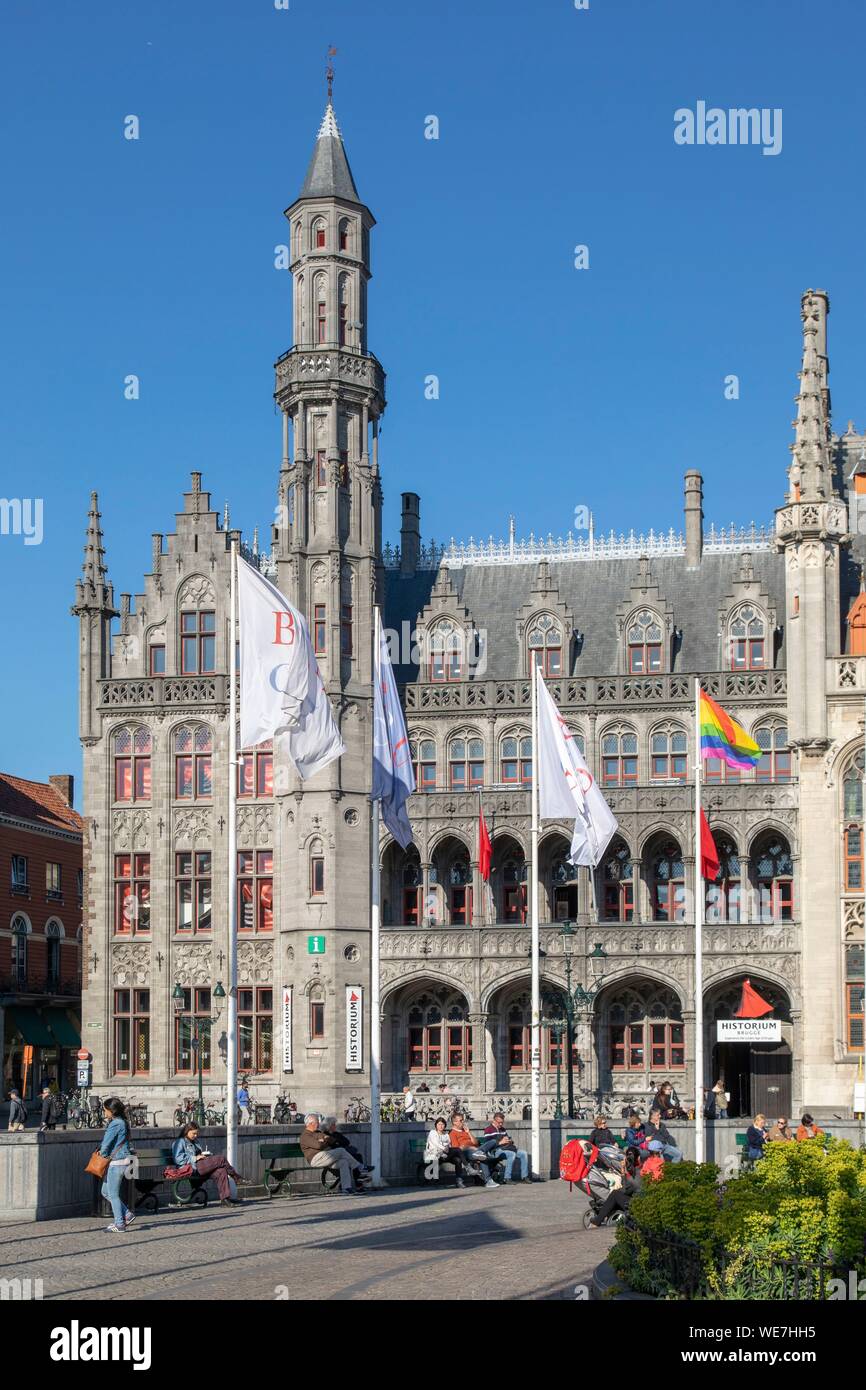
(288, 1174)
(149, 1178)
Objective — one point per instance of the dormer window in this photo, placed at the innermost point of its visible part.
(748, 640)
(197, 642)
(545, 646)
(446, 653)
(644, 644)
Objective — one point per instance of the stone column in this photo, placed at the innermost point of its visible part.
(690, 1037)
(478, 1024)
(747, 901)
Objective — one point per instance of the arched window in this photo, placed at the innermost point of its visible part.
(256, 771)
(723, 896)
(645, 1031)
(644, 643)
(514, 889)
(412, 883)
(545, 645)
(669, 755)
(343, 309)
(317, 870)
(617, 884)
(747, 634)
(320, 305)
(619, 759)
(563, 883)
(53, 937)
(775, 763)
(193, 763)
(300, 318)
(319, 234)
(424, 763)
(344, 235)
(460, 889)
(519, 1035)
(465, 763)
(515, 759)
(774, 873)
(446, 652)
(20, 933)
(439, 1035)
(132, 754)
(852, 820)
(668, 884)
(296, 239)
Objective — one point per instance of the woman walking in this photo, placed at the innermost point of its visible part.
(115, 1146)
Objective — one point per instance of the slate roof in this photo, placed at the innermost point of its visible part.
(329, 175)
(593, 591)
(38, 802)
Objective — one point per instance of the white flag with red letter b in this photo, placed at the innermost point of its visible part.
(566, 787)
(281, 689)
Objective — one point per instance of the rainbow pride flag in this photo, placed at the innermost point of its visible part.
(722, 737)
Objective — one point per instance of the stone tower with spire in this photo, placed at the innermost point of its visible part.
(94, 609)
(812, 533)
(327, 545)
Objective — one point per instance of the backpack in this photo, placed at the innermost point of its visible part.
(573, 1163)
(652, 1167)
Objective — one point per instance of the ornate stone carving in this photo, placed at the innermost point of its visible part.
(255, 962)
(192, 824)
(130, 964)
(197, 592)
(255, 825)
(131, 829)
(193, 963)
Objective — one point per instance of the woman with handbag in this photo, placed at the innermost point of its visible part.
(115, 1152)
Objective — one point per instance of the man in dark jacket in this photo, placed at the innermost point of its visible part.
(50, 1109)
(655, 1130)
(321, 1151)
(17, 1111)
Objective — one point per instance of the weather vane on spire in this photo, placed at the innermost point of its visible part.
(329, 73)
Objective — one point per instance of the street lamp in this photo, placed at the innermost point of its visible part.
(178, 997)
(578, 998)
(557, 1027)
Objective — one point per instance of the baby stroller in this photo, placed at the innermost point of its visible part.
(594, 1171)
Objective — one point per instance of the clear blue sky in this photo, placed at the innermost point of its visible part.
(558, 387)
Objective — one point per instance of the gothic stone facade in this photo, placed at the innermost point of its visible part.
(770, 621)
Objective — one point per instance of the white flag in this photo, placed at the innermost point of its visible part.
(281, 689)
(566, 787)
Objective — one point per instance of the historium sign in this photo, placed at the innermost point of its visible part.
(749, 1030)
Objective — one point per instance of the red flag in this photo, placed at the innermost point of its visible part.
(709, 853)
(485, 851)
(751, 1004)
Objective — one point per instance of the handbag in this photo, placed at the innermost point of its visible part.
(173, 1173)
(97, 1165)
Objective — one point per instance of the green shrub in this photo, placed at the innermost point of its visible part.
(803, 1202)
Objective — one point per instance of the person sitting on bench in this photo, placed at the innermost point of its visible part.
(321, 1150)
(473, 1155)
(438, 1149)
(202, 1164)
(329, 1126)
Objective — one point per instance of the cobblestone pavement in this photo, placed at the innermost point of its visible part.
(521, 1242)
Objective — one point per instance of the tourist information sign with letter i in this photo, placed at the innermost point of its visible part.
(316, 945)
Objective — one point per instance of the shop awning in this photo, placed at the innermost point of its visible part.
(32, 1028)
(62, 1027)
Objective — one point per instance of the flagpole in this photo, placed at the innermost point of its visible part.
(535, 943)
(699, 945)
(232, 1027)
(375, 946)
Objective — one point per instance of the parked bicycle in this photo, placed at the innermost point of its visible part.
(357, 1111)
(185, 1114)
(282, 1114)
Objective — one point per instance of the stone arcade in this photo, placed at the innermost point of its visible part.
(773, 621)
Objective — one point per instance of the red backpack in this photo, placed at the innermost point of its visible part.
(574, 1164)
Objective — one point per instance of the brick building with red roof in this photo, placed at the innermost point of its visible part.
(41, 889)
